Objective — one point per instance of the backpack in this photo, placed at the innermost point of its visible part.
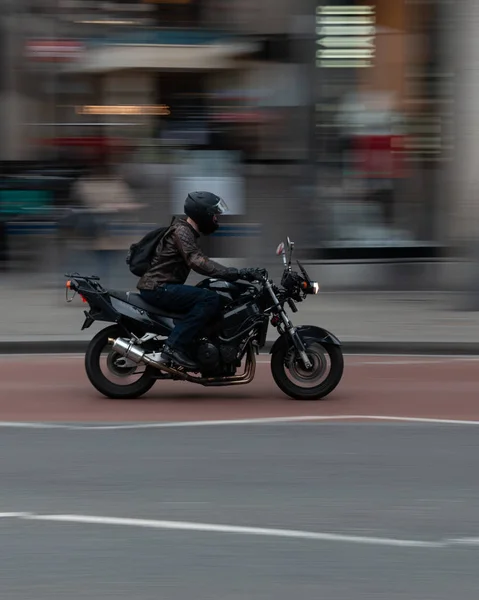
(140, 255)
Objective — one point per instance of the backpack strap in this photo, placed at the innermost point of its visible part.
(165, 235)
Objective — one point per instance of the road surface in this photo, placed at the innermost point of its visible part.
(337, 510)
(42, 388)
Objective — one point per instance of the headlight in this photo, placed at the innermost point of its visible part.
(313, 288)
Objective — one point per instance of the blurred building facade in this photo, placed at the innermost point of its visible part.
(341, 110)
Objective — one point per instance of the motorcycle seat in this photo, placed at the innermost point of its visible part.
(136, 300)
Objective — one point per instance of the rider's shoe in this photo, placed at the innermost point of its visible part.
(177, 356)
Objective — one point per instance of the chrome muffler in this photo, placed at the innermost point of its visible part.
(137, 355)
(129, 350)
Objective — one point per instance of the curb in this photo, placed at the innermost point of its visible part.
(406, 348)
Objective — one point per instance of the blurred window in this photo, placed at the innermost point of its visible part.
(378, 132)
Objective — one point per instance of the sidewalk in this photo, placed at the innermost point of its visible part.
(41, 320)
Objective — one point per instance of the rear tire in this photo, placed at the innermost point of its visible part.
(279, 369)
(98, 379)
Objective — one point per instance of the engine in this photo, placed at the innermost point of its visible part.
(208, 356)
(213, 358)
(229, 354)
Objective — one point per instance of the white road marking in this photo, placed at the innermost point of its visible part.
(410, 356)
(160, 425)
(419, 361)
(241, 530)
(257, 421)
(414, 420)
(32, 425)
(464, 541)
(42, 355)
(398, 359)
(234, 529)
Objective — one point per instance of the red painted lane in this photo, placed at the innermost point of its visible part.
(56, 389)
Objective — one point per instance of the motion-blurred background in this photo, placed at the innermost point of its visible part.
(347, 125)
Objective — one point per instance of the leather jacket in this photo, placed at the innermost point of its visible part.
(177, 254)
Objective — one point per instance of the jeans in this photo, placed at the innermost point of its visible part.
(200, 307)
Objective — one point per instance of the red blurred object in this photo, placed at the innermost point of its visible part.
(242, 117)
(93, 142)
(275, 320)
(53, 50)
(95, 148)
(380, 156)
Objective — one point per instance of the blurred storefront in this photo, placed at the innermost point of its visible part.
(380, 126)
(136, 70)
(232, 76)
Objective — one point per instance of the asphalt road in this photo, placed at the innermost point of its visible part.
(391, 482)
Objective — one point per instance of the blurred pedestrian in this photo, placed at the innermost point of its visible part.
(103, 197)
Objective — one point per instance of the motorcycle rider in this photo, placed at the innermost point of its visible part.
(163, 285)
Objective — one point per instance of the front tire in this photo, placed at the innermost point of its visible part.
(297, 383)
(98, 345)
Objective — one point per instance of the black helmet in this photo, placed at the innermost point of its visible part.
(203, 208)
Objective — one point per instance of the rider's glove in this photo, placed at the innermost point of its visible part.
(251, 274)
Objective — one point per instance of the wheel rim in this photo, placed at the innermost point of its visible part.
(118, 370)
(308, 378)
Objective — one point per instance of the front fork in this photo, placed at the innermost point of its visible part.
(289, 328)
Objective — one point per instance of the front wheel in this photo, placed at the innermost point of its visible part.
(316, 383)
(110, 374)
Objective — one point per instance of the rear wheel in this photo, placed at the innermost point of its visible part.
(316, 383)
(110, 373)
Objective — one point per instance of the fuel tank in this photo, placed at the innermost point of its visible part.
(228, 290)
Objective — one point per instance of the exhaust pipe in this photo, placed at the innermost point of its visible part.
(136, 354)
(127, 349)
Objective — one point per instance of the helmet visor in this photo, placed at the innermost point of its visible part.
(221, 207)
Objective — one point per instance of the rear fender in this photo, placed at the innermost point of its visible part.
(101, 308)
(155, 324)
(107, 308)
(308, 334)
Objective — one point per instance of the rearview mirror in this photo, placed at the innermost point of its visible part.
(281, 251)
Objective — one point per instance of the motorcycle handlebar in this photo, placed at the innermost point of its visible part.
(254, 275)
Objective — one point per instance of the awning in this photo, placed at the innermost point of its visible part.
(159, 57)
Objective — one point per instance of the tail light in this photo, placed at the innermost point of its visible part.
(72, 285)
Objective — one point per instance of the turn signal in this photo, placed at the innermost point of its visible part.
(312, 288)
(68, 284)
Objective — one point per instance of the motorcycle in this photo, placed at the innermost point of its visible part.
(306, 362)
